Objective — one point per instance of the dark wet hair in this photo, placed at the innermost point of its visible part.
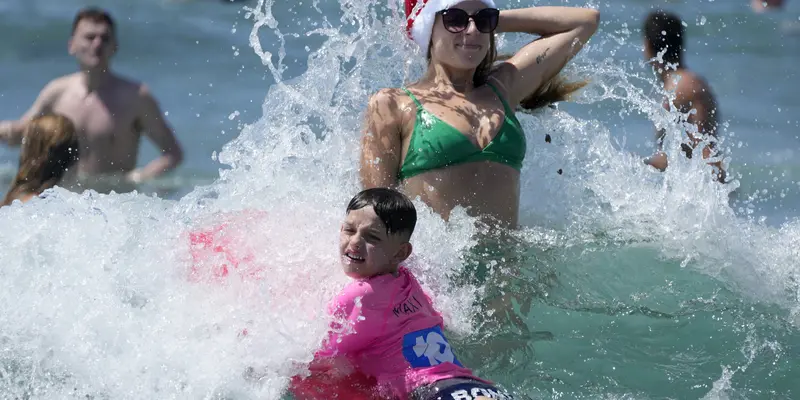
(664, 30)
(93, 14)
(395, 210)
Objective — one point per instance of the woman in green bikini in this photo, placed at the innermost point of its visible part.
(452, 137)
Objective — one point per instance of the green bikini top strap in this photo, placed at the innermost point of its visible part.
(408, 92)
(502, 100)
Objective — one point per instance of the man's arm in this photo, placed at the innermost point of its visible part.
(151, 121)
(693, 97)
(661, 133)
(11, 131)
(703, 114)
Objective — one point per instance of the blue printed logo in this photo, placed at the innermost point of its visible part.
(428, 347)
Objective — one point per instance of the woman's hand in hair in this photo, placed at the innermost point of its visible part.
(563, 30)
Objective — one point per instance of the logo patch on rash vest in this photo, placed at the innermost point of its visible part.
(428, 347)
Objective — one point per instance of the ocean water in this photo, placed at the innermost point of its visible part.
(624, 283)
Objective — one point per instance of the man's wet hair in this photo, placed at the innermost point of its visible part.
(394, 209)
(664, 30)
(93, 14)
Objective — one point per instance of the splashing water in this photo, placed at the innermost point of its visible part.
(624, 282)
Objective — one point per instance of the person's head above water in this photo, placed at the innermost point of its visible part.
(460, 35)
(455, 33)
(477, 166)
(93, 40)
(49, 149)
(374, 237)
(664, 32)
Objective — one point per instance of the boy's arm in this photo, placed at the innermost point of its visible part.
(331, 370)
(331, 383)
(349, 331)
(336, 366)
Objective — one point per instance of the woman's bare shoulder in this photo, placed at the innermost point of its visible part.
(391, 103)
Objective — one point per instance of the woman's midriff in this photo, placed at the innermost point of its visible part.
(485, 189)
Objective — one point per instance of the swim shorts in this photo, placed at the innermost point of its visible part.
(459, 389)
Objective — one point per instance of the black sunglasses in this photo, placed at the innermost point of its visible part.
(456, 20)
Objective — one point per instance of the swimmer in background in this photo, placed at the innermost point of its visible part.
(49, 149)
(761, 6)
(385, 326)
(110, 113)
(664, 33)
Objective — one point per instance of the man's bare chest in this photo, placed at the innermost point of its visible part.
(98, 118)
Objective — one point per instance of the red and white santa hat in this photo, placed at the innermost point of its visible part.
(421, 15)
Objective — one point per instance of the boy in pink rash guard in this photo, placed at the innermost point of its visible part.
(385, 325)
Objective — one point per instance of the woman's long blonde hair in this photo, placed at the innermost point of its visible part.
(556, 89)
(49, 149)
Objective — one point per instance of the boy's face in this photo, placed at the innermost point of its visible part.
(366, 250)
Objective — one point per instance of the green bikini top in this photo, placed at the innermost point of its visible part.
(436, 144)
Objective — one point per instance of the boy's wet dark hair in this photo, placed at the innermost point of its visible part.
(395, 210)
(664, 30)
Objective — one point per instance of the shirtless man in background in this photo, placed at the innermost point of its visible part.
(110, 113)
(664, 35)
